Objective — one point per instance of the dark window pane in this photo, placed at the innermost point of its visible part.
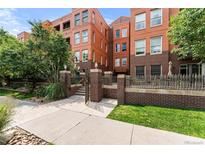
(57, 27)
(66, 25)
(117, 32)
(156, 70)
(139, 71)
(124, 46)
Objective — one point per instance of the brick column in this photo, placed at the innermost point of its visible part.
(82, 76)
(65, 80)
(121, 89)
(108, 76)
(96, 91)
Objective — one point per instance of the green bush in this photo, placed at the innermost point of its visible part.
(55, 91)
(5, 116)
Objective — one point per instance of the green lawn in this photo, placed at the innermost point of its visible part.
(17, 95)
(189, 122)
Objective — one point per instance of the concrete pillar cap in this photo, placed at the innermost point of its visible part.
(108, 72)
(64, 71)
(95, 70)
(121, 76)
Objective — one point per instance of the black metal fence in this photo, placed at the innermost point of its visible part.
(185, 82)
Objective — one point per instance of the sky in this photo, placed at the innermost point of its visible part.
(16, 20)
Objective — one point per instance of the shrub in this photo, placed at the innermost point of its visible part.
(55, 91)
(5, 116)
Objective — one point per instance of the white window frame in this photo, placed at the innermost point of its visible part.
(126, 61)
(153, 18)
(84, 17)
(77, 20)
(77, 38)
(140, 21)
(84, 37)
(77, 57)
(85, 51)
(116, 47)
(144, 48)
(125, 32)
(118, 63)
(151, 45)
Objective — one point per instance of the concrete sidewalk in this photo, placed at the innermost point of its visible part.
(70, 121)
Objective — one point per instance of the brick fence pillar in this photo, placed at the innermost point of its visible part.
(65, 79)
(96, 91)
(121, 89)
(82, 76)
(108, 77)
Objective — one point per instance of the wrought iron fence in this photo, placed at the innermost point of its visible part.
(185, 82)
(76, 80)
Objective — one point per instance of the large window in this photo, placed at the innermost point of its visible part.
(117, 47)
(124, 61)
(140, 47)
(77, 38)
(184, 69)
(117, 33)
(156, 45)
(124, 46)
(77, 19)
(156, 70)
(66, 25)
(85, 55)
(124, 32)
(140, 71)
(85, 36)
(85, 16)
(156, 17)
(140, 21)
(77, 56)
(117, 62)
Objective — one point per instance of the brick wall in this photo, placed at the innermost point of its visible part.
(166, 100)
(110, 92)
(74, 89)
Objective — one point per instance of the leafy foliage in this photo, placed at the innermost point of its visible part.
(187, 32)
(5, 115)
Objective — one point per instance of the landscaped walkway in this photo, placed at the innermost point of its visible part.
(70, 121)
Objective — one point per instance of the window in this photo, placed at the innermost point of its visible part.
(77, 19)
(105, 47)
(68, 40)
(93, 37)
(117, 47)
(156, 17)
(156, 45)
(140, 21)
(101, 29)
(93, 55)
(124, 47)
(124, 61)
(140, 47)
(77, 38)
(85, 16)
(140, 71)
(85, 55)
(57, 28)
(184, 69)
(66, 25)
(101, 60)
(117, 62)
(93, 17)
(117, 33)
(85, 36)
(77, 57)
(156, 70)
(124, 32)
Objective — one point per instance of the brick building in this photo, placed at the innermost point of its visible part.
(121, 44)
(23, 36)
(135, 45)
(150, 52)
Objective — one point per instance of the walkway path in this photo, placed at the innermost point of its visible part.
(70, 121)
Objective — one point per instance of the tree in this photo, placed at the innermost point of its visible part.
(187, 32)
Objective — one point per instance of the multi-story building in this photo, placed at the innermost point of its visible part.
(135, 45)
(23, 36)
(150, 52)
(121, 44)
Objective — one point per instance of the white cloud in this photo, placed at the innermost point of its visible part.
(11, 22)
(109, 20)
